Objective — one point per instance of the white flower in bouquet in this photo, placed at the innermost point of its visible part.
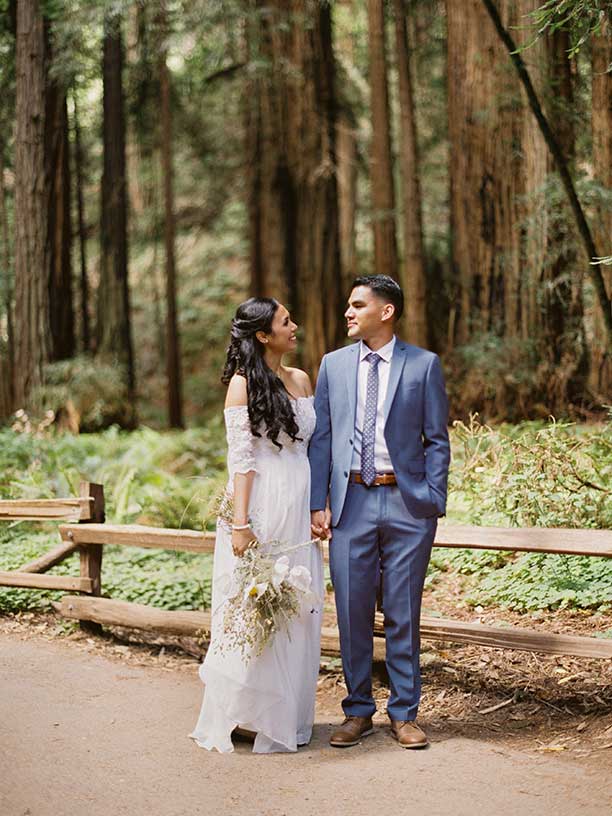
(256, 590)
(300, 578)
(281, 568)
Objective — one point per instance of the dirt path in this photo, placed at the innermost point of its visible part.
(83, 733)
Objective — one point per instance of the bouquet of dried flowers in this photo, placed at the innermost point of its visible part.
(264, 593)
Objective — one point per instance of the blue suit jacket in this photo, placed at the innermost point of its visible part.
(416, 417)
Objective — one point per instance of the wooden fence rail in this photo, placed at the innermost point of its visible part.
(90, 535)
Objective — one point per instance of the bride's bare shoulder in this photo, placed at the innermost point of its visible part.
(299, 381)
(236, 392)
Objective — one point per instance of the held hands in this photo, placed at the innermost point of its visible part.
(241, 540)
(320, 521)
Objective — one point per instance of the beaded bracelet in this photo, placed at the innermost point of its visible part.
(241, 526)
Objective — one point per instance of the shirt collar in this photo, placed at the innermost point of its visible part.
(386, 352)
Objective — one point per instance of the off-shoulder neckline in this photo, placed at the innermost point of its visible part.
(291, 399)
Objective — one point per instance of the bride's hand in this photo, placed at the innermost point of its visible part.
(241, 540)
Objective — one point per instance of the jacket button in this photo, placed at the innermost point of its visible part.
(350, 441)
(346, 473)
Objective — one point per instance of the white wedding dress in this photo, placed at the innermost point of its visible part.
(272, 694)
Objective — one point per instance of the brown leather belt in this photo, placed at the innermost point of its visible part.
(380, 478)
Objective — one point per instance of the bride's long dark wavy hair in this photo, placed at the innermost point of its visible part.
(267, 399)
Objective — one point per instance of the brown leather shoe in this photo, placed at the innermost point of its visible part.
(351, 731)
(408, 734)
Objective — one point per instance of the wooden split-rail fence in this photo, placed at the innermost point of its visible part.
(87, 532)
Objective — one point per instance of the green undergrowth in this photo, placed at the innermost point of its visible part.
(533, 474)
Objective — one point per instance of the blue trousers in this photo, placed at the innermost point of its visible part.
(377, 535)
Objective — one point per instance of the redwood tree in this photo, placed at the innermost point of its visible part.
(57, 168)
(498, 165)
(381, 166)
(113, 328)
(173, 357)
(601, 123)
(32, 251)
(293, 197)
(413, 266)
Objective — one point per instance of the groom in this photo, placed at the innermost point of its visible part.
(379, 458)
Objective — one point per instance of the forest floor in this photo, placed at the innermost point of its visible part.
(100, 723)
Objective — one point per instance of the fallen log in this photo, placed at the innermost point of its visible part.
(138, 616)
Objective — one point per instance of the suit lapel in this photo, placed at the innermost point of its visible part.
(397, 365)
(351, 373)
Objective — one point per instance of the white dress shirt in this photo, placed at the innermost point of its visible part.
(382, 460)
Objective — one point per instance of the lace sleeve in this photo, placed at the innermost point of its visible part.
(240, 452)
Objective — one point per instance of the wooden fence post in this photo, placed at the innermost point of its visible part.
(91, 554)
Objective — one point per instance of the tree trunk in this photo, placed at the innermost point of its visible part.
(84, 281)
(114, 328)
(32, 346)
(381, 165)
(57, 160)
(497, 163)
(347, 158)
(293, 198)
(7, 358)
(413, 267)
(173, 357)
(561, 165)
(563, 341)
(601, 123)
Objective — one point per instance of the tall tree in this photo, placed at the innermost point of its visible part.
(346, 152)
(562, 307)
(601, 124)
(561, 163)
(57, 161)
(173, 357)
(381, 166)
(32, 347)
(114, 326)
(7, 359)
(79, 163)
(497, 165)
(293, 199)
(413, 267)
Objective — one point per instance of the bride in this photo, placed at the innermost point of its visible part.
(269, 418)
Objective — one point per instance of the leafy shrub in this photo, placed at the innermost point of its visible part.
(536, 581)
(532, 475)
(85, 394)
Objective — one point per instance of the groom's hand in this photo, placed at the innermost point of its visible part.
(320, 521)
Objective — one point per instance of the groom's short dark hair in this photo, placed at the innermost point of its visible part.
(385, 288)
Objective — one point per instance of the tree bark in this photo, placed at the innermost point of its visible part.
(293, 197)
(32, 251)
(381, 164)
(83, 280)
(114, 327)
(601, 124)
(57, 160)
(413, 267)
(561, 164)
(487, 175)
(346, 151)
(563, 341)
(173, 357)
(7, 359)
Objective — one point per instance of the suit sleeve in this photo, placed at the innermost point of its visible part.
(435, 434)
(319, 451)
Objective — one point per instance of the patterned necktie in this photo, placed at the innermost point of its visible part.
(368, 469)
